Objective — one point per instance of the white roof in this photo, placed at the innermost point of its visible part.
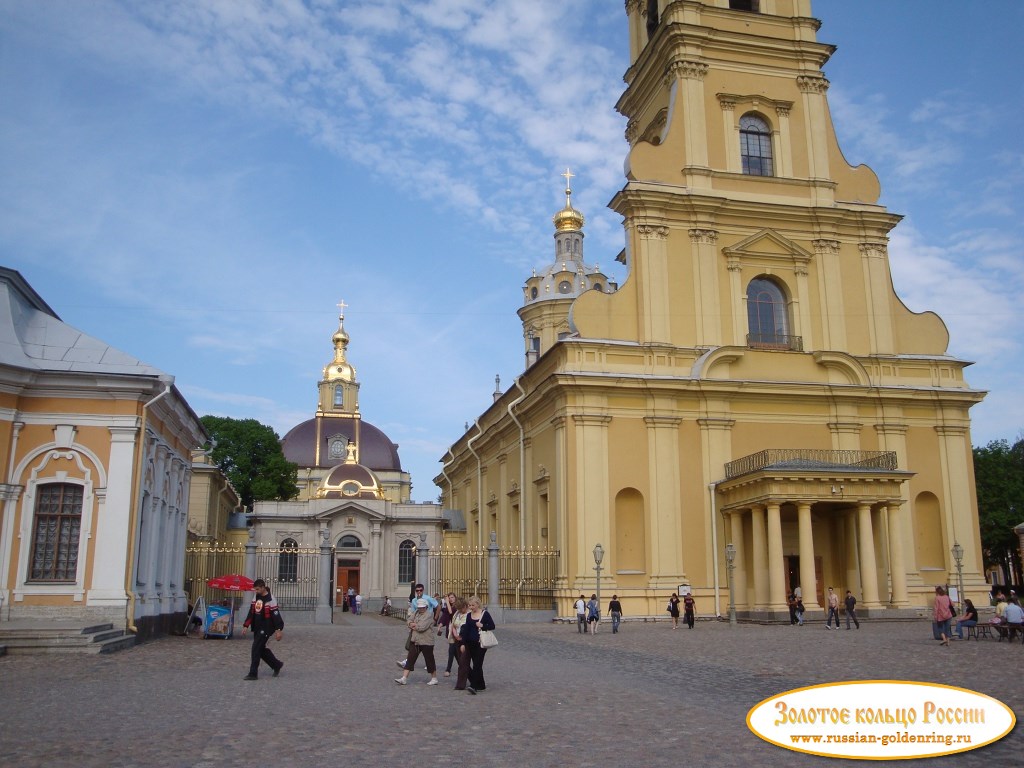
(33, 337)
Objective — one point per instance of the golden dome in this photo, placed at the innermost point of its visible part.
(568, 218)
(340, 369)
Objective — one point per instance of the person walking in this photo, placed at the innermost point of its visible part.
(942, 614)
(851, 609)
(689, 609)
(615, 611)
(421, 629)
(461, 655)
(799, 609)
(264, 618)
(417, 594)
(673, 610)
(581, 615)
(477, 621)
(359, 603)
(455, 622)
(593, 614)
(833, 609)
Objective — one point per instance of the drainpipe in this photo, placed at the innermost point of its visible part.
(522, 466)
(444, 474)
(714, 548)
(479, 484)
(135, 510)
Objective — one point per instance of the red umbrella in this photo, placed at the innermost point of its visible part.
(232, 583)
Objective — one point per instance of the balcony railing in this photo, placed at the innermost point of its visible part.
(812, 460)
(775, 341)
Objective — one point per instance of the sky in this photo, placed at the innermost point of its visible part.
(200, 182)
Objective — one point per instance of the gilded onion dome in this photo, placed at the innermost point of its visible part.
(350, 480)
(340, 369)
(568, 218)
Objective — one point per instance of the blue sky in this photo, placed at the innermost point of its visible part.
(199, 182)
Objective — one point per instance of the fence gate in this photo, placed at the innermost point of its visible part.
(291, 573)
(526, 578)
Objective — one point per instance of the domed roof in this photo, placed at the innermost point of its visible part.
(340, 369)
(350, 481)
(568, 218)
(376, 451)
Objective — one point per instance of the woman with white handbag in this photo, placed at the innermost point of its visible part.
(474, 635)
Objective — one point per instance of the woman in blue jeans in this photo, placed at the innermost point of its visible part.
(970, 618)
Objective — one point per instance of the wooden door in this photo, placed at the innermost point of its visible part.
(347, 576)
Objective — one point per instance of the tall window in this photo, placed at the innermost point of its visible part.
(766, 313)
(288, 561)
(58, 522)
(339, 397)
(406, 562)
(756, 146)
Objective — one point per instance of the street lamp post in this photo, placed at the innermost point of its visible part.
(730, 564)
(958, 557)
(598, 557)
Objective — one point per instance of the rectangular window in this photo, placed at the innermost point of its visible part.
(58, 523)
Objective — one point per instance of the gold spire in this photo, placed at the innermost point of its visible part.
(339, 369)
(568, 218)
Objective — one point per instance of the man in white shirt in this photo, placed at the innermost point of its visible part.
(581, 615)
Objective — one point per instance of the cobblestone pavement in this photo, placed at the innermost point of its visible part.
(647, 696)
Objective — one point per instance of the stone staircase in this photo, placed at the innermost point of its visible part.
(23, 637)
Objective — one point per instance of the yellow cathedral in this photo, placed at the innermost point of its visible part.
(754, 394)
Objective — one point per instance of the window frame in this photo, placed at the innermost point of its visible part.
(762, 161)
(288, 562)
(406, 561)
(66, 550)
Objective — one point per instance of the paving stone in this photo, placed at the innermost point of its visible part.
(647, 696)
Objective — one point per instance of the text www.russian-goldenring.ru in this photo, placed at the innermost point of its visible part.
(885, 739)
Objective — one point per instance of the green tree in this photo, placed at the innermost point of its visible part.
(249, 453)
(999, 478)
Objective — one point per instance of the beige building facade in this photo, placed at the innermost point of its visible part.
(755, 382)
(95, 454)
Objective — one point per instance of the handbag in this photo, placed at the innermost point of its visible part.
(952, 610)
(408, 642)
(487, 638)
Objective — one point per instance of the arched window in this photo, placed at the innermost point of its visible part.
(767, 321)
(288, 561)
(55, 532)
(339, 395)
(350, 541)
(533, 293)
(652, 17)
(756, 146)
(406, 562)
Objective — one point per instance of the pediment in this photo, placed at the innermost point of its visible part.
(768, 244)
(328, 509)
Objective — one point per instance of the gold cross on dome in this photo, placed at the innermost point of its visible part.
(567, 176)
(341, 307)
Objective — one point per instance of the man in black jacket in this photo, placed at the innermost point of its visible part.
(264, 617)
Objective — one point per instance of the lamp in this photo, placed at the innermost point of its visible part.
(730, 564)
(958, 557)
(598, 558)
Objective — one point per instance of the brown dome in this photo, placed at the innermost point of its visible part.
(350, 481)
(376, 451)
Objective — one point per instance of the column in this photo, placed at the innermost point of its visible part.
(830, 286)
(377, 558)
(866, 546)
(110, 558)
(812, 90)
(325, 603)
(760, 556)
(733, 163)
(705, 286)
(493, 596)
(739, 573)
(897, 562)
(784, 148)
(808, 581)
(560, 539)
(875, 263)
(651, 272)
(423, 562)
(592, 502)
(776, 572)
(665, 520)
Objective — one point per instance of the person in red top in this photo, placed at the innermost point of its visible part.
(264, 618)
(942, 615)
